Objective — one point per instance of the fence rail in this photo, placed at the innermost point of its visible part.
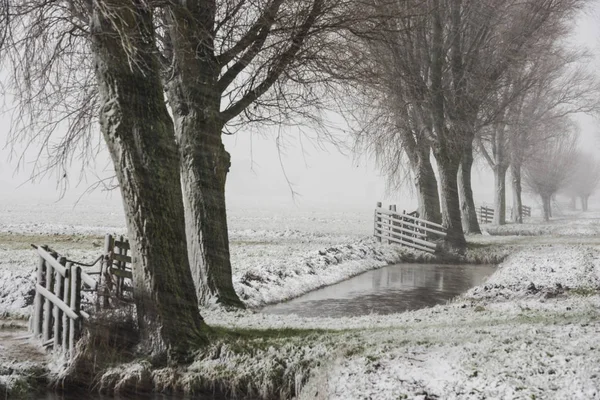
(58, 315)
(407, 229)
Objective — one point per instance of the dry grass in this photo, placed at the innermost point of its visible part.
(19, 241)
(109, 338)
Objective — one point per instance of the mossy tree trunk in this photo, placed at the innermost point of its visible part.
(195, 101)
(140, 138)
(427, 191)
(198, 79)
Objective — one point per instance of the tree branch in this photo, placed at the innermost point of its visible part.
(280, 65)
(253, 34)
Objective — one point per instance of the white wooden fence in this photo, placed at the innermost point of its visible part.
(407, 229)
(58, 314)
(486, 214)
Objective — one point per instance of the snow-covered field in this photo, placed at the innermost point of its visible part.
(274, 257)
(531, 331)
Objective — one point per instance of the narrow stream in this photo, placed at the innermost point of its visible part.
(387, 290)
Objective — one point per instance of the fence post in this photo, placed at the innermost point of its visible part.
(58, 291)
(378, 232)
(38, 304)
(105, 269)
(67, 299)
(391, 224)
(47, 304)
(121, 267)
(75, 305)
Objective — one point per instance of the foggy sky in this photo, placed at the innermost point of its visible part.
(321, 178)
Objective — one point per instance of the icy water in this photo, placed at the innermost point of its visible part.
(388, 290)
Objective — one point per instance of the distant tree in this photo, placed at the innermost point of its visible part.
(553, 165)
(390, 126)
(567, 89)
(585, 179)
(446, 58)
(556, 96)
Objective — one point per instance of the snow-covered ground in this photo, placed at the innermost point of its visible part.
(531, 331)
(274, 257)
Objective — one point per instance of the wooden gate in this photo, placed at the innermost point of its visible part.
(116, 275)
(57, 312)
(60, 307)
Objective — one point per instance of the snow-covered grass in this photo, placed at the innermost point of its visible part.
(569, 223)
(531, 331)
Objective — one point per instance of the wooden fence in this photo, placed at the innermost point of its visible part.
(60, 307)
(57, 309)
(116, 275)
(485, 214)
(407, 229)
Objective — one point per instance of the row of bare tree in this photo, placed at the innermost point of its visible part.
(460, 79)
(560, 167)
(165, 79)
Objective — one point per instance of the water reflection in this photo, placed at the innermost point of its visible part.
(387, 290)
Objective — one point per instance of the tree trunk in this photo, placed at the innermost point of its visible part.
(204, 167)
(140, 137)
(546, 206)
(195, 100)
(573, 203)
(428, 196)
(448, 171)
(467, 204)
(500, 195)
(426, 185)
(584, 203)
(515, 171)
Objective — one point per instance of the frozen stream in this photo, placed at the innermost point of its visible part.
(387, 290)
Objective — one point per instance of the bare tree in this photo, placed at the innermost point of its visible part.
(567, 89)
(117, 39)
(557, 94)
(390, 128)
(453, 56)
(231, 63)
(224, 64)
(553, 165)
(585, 179)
